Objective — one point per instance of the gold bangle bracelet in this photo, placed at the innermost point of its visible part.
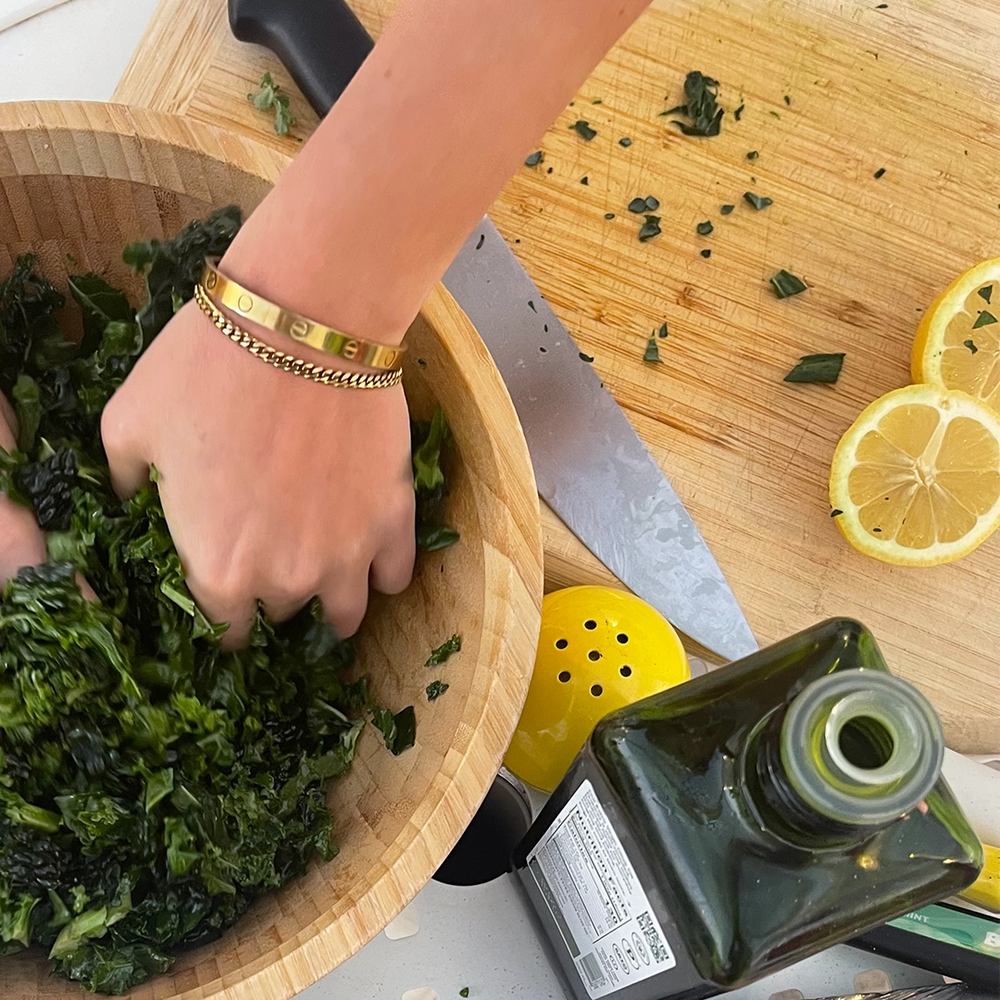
(285, 362)
(228, 293)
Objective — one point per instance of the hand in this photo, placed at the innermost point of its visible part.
(275, 489)
(22, 542)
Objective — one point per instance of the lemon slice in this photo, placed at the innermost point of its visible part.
(917, 476)
(958, 341)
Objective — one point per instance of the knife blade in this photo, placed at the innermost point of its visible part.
(590, 465)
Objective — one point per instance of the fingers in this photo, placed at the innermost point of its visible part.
(21, 540)
(127, 457)
(224, 598)
(345, 600)
(392, 568)
(238, 615)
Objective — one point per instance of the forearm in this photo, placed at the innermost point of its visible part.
(377, 203)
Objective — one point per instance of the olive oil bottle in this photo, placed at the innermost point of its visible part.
(728, 827)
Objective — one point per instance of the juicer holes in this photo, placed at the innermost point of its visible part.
(564, 676)
(590, 623)
(622, 638)
(626, 671)
(561, 643)
(593, 655)
(597, 690)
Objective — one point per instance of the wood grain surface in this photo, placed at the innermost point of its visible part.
(832, 92)
(79, 181)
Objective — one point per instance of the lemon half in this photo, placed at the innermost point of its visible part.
(917, 476)
(958, 342)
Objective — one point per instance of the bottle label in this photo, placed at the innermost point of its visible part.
(596, 899)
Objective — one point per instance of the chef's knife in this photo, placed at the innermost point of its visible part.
(590, 465)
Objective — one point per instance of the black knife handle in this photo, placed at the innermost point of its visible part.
(321, 43)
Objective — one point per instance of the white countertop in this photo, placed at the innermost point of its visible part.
(480, 937)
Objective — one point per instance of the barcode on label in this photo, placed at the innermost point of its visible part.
(592, 969)
(660, 954)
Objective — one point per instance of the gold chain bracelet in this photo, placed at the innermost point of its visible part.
(233, 296)
(285, 362)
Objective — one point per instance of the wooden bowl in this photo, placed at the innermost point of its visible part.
(84, 179)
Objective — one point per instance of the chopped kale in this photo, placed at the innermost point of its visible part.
(435, 689)
(650, 228)
(786, 284)
(447, 649)
(700, 106)
(270, 97)
(817, 368)
(756, 200)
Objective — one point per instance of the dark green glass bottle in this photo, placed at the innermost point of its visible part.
(742, 821)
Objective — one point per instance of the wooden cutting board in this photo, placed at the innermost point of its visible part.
(832, 92)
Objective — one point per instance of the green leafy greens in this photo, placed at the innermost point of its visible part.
(817, 368)
(152, 786)
(435, 689)
(758, 201)
(650, 228)
(447, 649)
(583, 130)
(786, 284)
(271, 97)
(700, 106)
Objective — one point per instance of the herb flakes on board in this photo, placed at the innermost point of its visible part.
(704, 228)
(650, 228)
(700, 106)
(759, 202)
(583, 130)
(823, 368)
(533, 159)
(270, 97)
(652, 352)
(786, 284)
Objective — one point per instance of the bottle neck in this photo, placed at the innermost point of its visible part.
(851, 753)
